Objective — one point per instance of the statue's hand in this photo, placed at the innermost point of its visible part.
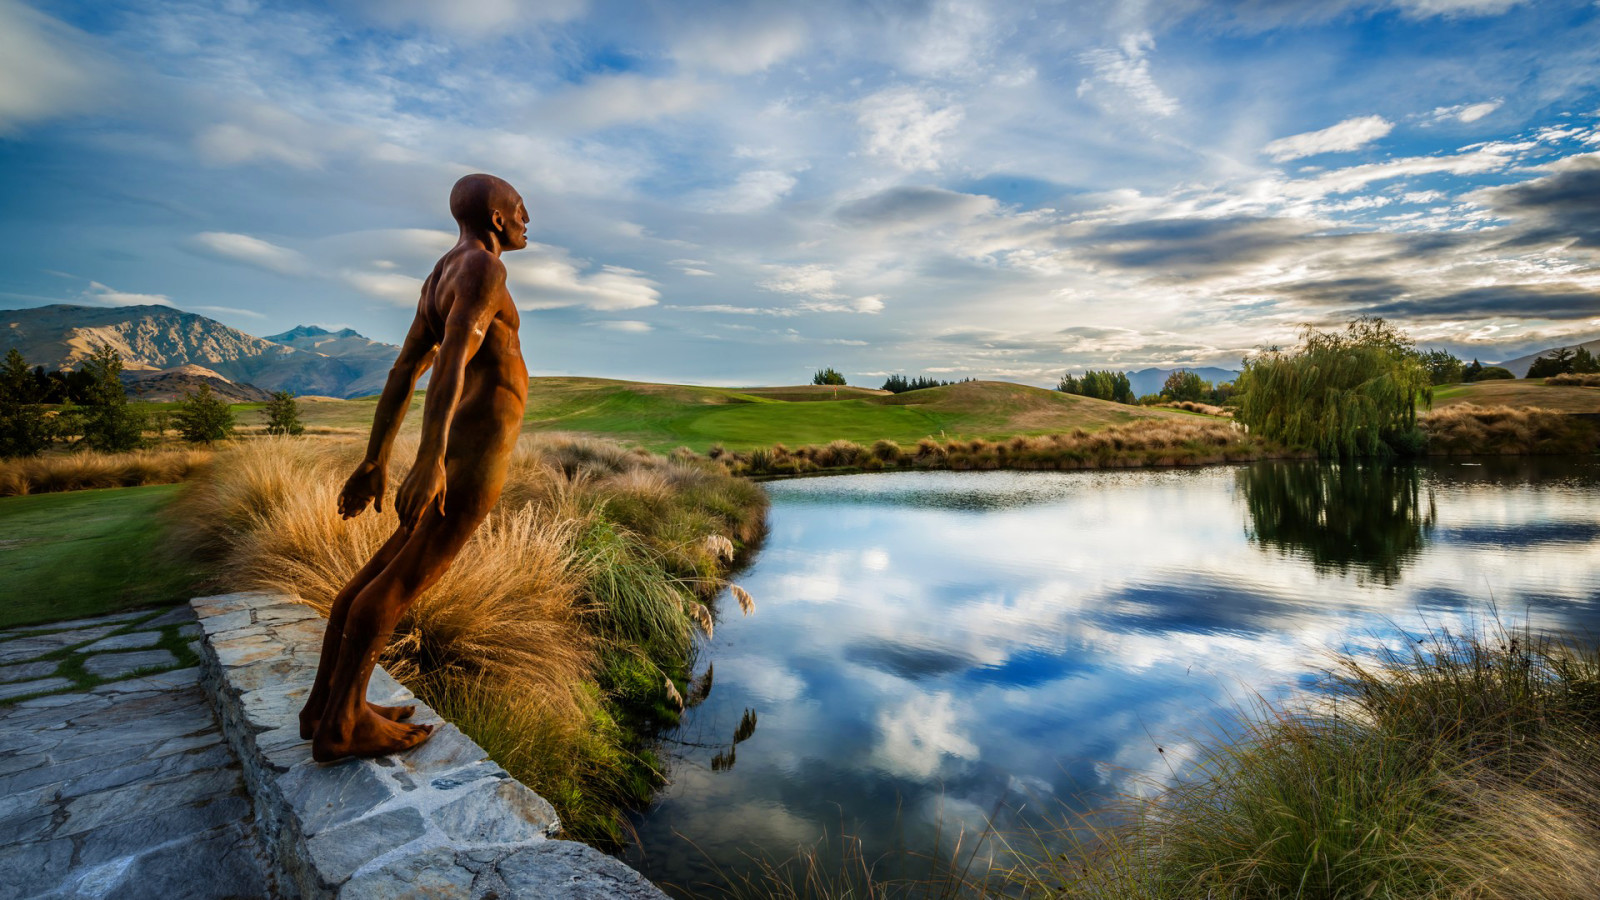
(422, 489)
(366, 485)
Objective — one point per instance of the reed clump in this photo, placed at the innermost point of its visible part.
(1464, 767)
(557, 635)
(1499, 430)
(1572, 379)
(85, 469)
(1143, 443)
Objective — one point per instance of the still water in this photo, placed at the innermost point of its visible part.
(938, 649)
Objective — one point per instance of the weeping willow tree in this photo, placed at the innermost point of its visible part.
(1342, 393)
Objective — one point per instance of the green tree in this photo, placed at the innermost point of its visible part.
(1443, 367)
(203, 417)
(1183, 384)
(106, 421)
(1472, 371)
(1583, 362)
(283, 414)
(1342, 393)
(1556, 362)
(24, 429)
(827, 376)
(1069, 384)
(1494, 373)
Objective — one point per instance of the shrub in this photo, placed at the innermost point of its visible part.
(1493, 373)
(827, 376)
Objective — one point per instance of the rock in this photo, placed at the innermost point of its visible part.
(497, 812)
(115, 665)
(133, 640)
(338, 852)
(26, 671)
(32, 869)
(324, 796)
(564, 870)
(20, 688)
(433, 874)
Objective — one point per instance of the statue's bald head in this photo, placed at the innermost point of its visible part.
(475, 201)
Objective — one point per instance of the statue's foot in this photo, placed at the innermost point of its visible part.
(308, 719)
(369, 735)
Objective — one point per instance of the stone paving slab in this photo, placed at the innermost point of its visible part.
(441, 820)
(26, 671)
(133, 640)
(124, 791)
(22, 688)
(115, 665)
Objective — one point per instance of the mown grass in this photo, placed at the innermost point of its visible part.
(562, 633)
(1519, 393)
(65, 556)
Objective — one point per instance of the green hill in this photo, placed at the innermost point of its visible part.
(1519, 392)
(663, 416)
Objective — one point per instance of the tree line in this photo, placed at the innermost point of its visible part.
(88, 408)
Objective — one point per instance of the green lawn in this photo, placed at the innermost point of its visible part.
(83, 553)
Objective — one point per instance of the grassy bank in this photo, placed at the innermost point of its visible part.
(64, 556)
(563, 632)
(1555, 394)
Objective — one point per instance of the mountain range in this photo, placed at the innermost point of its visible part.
(161, 340)
(1519, 366)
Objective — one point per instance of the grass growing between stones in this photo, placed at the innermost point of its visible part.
(70, 659)
(86, 553)
(562, 634)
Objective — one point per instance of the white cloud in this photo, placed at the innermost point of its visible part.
(631, 326)
(471, 17)
(810, 280)
(1421, 9)
(109, 296)
(1351, 134)
(254, 251)
(1465, 112)
(545, 277)
(739, 49)
(622, 99)
(402, 290)
(46, 69)
(903, 126)
(1126, 71)
(229, 311)
(263, 133)
(869, 304)
(752, 192)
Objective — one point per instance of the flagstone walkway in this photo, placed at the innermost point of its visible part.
(115, 781)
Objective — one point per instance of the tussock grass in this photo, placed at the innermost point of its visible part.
(1160, 442)
(76, 471)
(578, 591)
(1569, 379)
(1496, 430)
(1194, 406)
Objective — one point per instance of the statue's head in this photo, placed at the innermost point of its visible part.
(486, 203)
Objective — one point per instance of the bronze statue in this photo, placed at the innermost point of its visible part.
(466, 329)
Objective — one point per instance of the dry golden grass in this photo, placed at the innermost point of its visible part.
(1589, 379)
(1497, 430)
(75, 471)
(550, 590)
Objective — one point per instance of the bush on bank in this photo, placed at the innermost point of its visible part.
(564, 630)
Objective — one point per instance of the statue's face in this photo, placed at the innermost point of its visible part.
(514, 228)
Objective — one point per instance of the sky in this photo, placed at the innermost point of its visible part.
(744, 193)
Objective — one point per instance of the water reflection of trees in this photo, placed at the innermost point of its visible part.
(1369, 517)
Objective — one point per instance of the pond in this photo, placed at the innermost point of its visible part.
(931, 651)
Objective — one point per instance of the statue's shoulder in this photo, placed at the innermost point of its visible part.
(476, 261)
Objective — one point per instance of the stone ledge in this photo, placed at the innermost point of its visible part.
(442, 820)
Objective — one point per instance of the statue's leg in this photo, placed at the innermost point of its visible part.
(348, 726)
(333, 635)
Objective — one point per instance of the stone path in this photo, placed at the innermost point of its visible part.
(116, 786)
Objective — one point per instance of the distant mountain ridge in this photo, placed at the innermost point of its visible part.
(1519, 366)
(308, 359)
(1149, 381)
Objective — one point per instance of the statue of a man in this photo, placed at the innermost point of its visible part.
(466, 329)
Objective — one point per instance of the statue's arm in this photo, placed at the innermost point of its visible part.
(370, 479)
(477, 298)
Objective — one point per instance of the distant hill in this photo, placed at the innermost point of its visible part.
(1519, 366)
(159, 338)
(173, 384)
(1149, 381)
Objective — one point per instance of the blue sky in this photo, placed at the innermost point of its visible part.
(744, 193)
